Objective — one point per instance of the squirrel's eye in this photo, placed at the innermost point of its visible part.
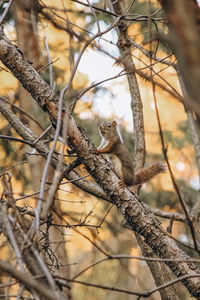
(108, 126)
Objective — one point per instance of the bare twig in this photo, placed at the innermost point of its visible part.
(47, 65)
(57, 178)
(11, 138)
(29, 282)
(147, 294)
(95, 16)
(124, 256)
(93, 85)
(13, 166)
(85, 47)
(42, 134)
(35, 224)
(49, 57)
(182, 202)
(12, 239)
(6, 12)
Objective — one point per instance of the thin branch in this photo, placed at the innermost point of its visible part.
(47, 65)
(146, 295)
(49, 57)
(42, 134)
(12, 238)
(6, 12)
(13, 166)
(142, 74)
(182, 202)
(93, 85)
(124, 256)
(85, 47)
(57, 178)
(95, 16)
(97, 8)
(11, 138)
(29, 282)
(86, 237)
(23, 112)
(35, 225)
(167, 214)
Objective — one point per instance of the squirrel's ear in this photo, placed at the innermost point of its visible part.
(114, 123)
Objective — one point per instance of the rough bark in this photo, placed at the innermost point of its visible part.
(30, 258)
(160, 272)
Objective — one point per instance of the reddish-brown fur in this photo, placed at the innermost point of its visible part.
(114, 146)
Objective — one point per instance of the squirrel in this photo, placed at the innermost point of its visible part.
(120, 158)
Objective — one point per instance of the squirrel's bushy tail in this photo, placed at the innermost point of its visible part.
(149, 172)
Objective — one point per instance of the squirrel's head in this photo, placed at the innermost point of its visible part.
(108, 129)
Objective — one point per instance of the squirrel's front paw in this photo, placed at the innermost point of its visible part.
(122, 184)
(162, 167)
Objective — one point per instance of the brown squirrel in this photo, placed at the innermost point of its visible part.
(120, 157)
